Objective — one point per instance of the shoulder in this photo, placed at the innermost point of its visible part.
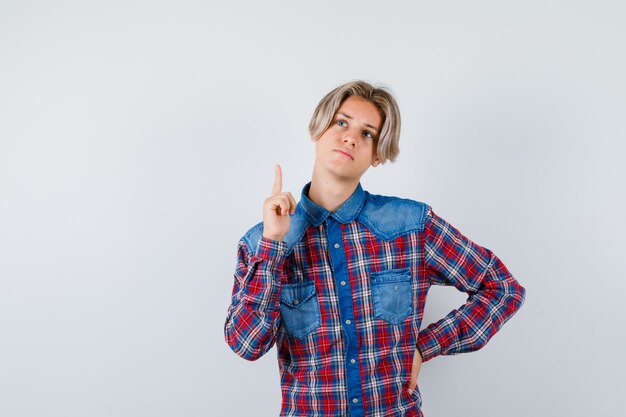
(389, 217)
(299, 224)
(252, 236)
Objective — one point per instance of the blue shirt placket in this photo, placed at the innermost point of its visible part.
(346, 311)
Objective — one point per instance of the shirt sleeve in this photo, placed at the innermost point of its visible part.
(254, 313)
(493, 294)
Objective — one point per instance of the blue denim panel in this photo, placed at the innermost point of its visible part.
(297, 229)
(339, 263)
(392, 295)
(390, 217)
(299, 308)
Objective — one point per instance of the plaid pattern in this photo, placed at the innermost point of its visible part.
(357, 361)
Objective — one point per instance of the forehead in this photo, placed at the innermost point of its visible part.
(361, 110)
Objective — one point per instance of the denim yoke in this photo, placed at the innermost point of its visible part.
(391, 291)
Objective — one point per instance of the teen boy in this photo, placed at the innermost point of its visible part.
(339, 280)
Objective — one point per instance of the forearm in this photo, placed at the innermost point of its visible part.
(470, 327)
(253, 315)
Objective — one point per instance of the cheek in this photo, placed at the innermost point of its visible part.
(325, 141)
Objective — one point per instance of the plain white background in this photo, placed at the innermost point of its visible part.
(137, 143)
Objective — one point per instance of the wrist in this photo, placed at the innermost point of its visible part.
(271, 251)
(269, 236)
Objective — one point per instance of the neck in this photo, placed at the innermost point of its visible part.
(330, 192)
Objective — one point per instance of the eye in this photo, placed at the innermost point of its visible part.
(342, 123)
(368, 134)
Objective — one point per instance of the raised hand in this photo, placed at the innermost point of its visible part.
(276, 210)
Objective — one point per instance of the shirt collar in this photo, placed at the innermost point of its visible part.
(346, 213)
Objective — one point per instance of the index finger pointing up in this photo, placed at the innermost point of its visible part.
(278, 180)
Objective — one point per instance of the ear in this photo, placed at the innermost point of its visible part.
(375, 162)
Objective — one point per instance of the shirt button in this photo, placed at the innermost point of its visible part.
(343, 282)
(336, 245)
(355, 400)
(295, 302)
(348, 321)
(352, 361)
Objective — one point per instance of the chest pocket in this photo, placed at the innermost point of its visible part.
(299, 308)
(391, 294)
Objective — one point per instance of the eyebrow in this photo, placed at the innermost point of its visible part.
(347, 116)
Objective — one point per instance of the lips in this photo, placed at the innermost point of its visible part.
(345, 153)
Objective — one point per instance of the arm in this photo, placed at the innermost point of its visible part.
(254, 313)
(493, 294)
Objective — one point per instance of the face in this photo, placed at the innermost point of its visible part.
(348, 147)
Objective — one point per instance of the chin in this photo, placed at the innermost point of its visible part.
(346, 176)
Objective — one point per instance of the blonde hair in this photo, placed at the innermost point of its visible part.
(387, 146)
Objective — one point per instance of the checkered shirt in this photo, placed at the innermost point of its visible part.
(343, 297)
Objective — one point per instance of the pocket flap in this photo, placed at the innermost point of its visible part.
(294, 295)
(391, 275)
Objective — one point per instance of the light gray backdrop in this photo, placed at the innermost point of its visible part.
(137, 143)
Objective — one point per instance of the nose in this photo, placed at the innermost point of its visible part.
(350, 138)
